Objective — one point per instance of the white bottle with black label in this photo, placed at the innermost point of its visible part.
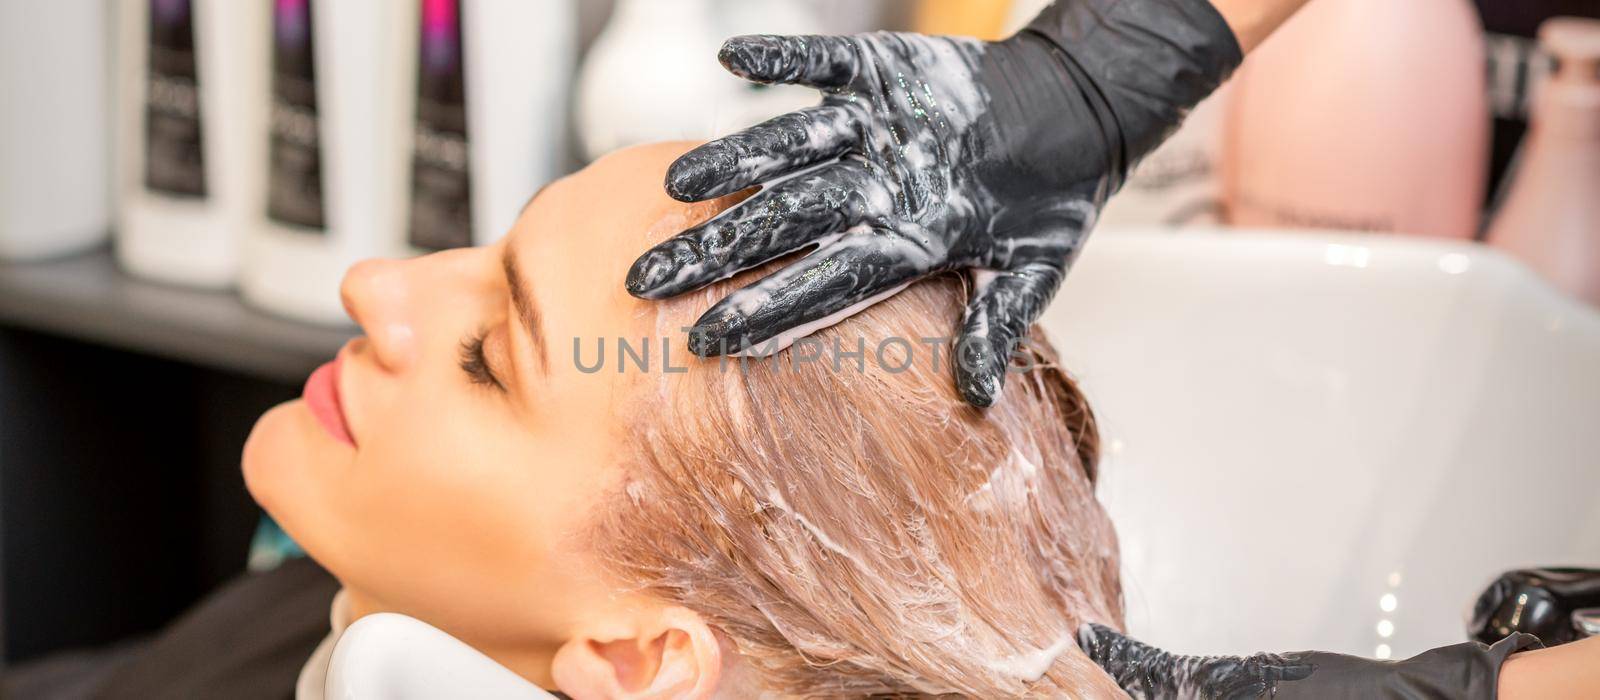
(429, 134)
(491, 97)
(192, 137)
(55, 153)
(335, 171)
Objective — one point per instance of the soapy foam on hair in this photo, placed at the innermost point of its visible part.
(1031, 666)
(817, 520)
(776, 500)
(1008, 484)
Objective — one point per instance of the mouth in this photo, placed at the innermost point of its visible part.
(322, 398)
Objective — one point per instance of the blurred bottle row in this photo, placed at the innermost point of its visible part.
(269, 144)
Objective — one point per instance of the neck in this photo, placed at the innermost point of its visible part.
(532, 662)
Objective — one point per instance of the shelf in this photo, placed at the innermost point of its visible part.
(88, 297)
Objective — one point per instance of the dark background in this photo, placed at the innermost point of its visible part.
(121, 500)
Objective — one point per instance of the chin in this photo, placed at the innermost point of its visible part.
(285, 448)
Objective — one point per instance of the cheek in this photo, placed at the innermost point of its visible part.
(445, 516)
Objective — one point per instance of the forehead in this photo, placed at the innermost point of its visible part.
(607, 208)
(577, 240)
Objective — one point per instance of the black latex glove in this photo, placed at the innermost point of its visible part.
(933, 154)
(1469, 670)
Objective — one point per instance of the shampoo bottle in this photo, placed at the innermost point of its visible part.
(521, 55)
(434, 121)
(339, 132)
(491, 95)
(192, 139)
(652, 74)
(1363, 115)
(55, 154)
(1551, 217)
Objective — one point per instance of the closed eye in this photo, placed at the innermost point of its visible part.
(476, 364)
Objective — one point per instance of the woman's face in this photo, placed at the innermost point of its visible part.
(471, 470)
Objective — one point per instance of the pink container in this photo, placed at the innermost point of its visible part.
(1363, 115)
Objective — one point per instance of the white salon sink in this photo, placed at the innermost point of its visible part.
(1307, 435)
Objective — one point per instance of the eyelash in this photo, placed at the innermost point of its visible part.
(476, 364)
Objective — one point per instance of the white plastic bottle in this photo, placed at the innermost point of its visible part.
(55, 179)
(491, 97)
(192, 140)
(1551, 219)
(435, 120)
(339, 136)
(521, 55)
(652, 74)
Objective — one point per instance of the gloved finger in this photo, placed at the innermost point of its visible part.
(769, 224)
(822, 62)
(776, 147)
(1125, 659)
(844, 276)
(1144, 671)
(1002, 307)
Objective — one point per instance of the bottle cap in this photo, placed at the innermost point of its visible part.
(1575, 41)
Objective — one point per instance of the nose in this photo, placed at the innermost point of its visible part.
(378, 294)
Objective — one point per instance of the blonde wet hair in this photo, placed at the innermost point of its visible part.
(862, 532)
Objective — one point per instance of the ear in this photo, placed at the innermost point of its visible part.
(666, 653)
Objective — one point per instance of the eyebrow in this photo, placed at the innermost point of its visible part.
(523, 300)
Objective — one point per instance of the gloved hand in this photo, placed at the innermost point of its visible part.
(930, 154)
(1468, 670)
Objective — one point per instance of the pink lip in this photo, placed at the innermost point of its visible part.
(322, 397)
